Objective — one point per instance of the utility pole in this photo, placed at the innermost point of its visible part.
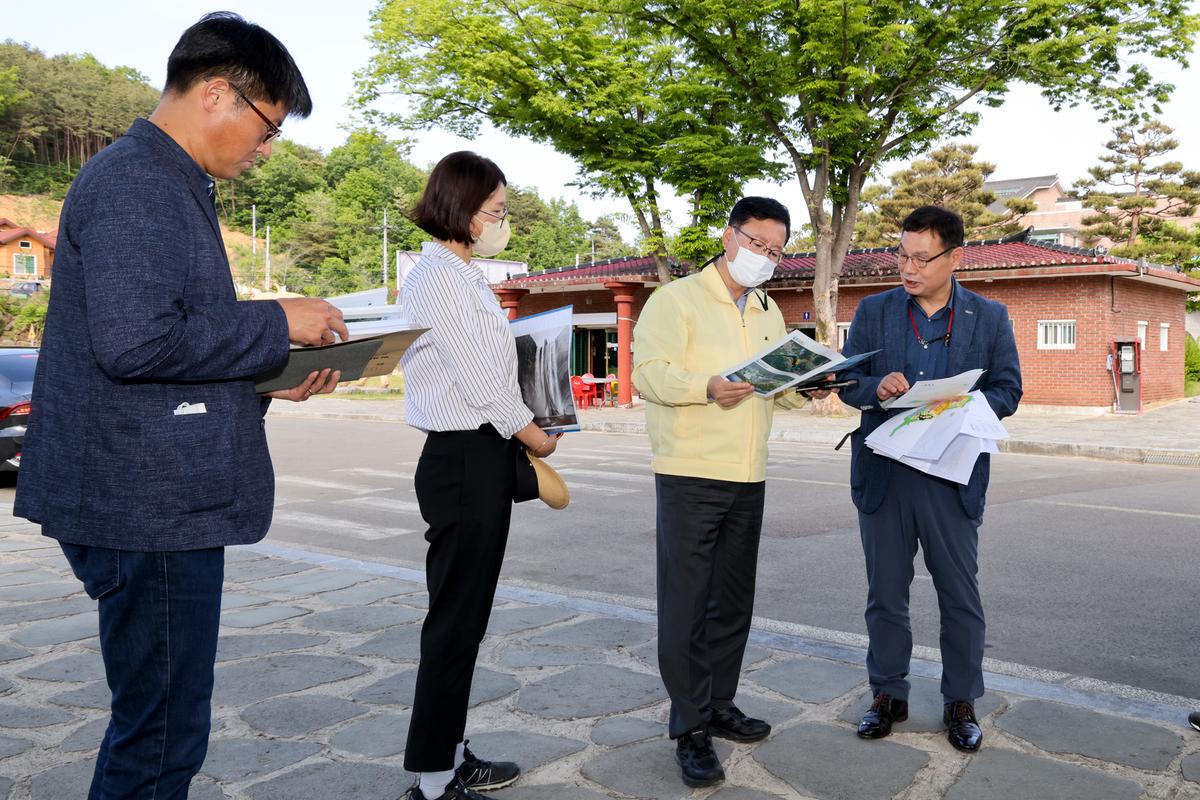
(385, 243)
(267, 279)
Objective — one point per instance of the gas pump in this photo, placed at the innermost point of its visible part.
(1125, 362)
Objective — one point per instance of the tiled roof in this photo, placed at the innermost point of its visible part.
(1012, 253)
(629, 267)
(12, 234)
(994, 254)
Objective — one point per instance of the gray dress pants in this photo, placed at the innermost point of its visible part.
(921, 509)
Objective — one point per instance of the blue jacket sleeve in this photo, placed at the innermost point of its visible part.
(1001, 384)
(863, 395)
(140, 248)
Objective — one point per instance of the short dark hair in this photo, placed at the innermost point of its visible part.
(947, 224)
(223, 45)
(456, 190)
(749, 208)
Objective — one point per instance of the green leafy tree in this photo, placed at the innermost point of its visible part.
(30, 320)
(627, 106)
(843, 87)
(605, 240)
(1146, 193)
(57, 112)
(950, 177)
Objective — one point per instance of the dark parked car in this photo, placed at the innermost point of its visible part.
(16, 385)
(25, 288)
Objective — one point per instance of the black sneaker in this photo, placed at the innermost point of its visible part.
(1194, 720)
(475, 773)
(730, 723)
(698, 760)
(455, 791)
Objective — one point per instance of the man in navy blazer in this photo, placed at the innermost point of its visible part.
(146, 452)
(930, 327)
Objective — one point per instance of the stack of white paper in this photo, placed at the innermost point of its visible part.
(942, 438)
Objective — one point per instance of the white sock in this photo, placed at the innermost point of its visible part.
(433, 784)
(459, 754)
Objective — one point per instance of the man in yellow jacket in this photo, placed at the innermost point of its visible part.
(709, 442)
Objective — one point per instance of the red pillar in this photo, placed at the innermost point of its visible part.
(510, 300)
(623, 294)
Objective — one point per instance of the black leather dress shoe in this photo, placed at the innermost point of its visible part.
(698, 760)
(1194, 720)
(964, 732)
(730, 723)
(877, 722)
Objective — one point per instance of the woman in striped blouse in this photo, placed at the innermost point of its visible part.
(460, 382)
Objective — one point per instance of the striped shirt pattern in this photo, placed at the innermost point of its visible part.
(462, 373)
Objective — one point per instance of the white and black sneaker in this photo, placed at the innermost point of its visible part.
(455, 791)
(475, 773)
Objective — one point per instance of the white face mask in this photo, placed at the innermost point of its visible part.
(750, 269)
(493, 239)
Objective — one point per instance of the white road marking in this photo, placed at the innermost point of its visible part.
(336, 527)
(378, 473)
(605, 490)
(807, 480)
(1151, 511)
(647, 478)
(385, 503)
(314, 483)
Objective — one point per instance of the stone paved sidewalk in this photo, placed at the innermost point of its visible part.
(315, 675)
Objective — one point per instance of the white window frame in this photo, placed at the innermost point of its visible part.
(843, 333)
(21, 258)
(1143, 326)
(25, 245)
(1164, 336)
(1059, 327)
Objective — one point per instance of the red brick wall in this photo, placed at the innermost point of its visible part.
(1103, 308)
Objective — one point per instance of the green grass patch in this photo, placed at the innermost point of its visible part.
(1191, 389)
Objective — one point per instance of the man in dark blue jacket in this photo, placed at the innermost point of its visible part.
(928, 328)
(146, 452)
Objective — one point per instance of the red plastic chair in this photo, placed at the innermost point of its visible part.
(584, 392)
(594, 398)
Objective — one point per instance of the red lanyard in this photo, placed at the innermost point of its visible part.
(921, 341)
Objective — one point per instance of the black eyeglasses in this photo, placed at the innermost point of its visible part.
(503, 215)
(922, 263)
(273, 130)
(761, 247)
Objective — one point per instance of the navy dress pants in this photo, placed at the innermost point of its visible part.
(922, 510)
(159, 613)
(464, 484)
(708, 534)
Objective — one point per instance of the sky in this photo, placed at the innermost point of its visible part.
(1023, 138)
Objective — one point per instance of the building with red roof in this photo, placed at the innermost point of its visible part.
(25, 254)
(1068, 306)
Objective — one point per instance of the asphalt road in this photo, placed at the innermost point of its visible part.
(1088, 568)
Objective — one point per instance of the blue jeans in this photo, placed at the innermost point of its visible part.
(159, 614)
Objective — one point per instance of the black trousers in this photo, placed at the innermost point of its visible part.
(708, 533)
(464, 484)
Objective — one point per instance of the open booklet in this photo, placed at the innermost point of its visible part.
(371, 350)
(544, 368)
(792, 361)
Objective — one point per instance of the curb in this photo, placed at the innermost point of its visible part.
(1032, 447)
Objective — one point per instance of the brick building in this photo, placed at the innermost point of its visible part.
(1067, 307)
(25, 254)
